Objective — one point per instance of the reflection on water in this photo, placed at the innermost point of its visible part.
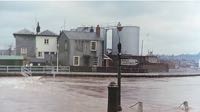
(46, 94)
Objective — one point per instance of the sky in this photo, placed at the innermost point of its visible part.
(165, 27)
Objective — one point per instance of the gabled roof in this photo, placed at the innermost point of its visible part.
(25, 32)
(47, 33)
(76, 35)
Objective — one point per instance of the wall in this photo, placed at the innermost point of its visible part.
(86, 51)
(41, 47)
(159, 67)
(25, 41)
(63, 53)
(83, 50)
(11, 62)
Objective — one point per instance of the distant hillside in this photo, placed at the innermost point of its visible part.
(189, 57)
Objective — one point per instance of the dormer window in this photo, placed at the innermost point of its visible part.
(93, 45)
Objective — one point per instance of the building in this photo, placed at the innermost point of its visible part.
(130, 63)
(101, 30)
(25, 43)
(11, 60)
(78, 48)
(8, 52)
(39, 48)
(46, 46)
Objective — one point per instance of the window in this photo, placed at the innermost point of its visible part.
(52, 52)
(46, 41)
(93, 45)
(23, 51)
(76, 60)
(46, 53)
(39, 54)
(79, 45)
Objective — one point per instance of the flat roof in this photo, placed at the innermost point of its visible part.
(11, 57)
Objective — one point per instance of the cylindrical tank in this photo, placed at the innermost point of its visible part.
(103, 35)
(129, 38)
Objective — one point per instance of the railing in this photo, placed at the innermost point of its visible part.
(26, 71)
(184, 107)
(35, 69)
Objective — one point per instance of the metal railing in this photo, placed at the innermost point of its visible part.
(26, 71)
(35, 69)
(184, 107)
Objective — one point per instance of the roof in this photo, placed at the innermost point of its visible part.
(11, 57)
(25, 32)
(82, 35)
(47, 33)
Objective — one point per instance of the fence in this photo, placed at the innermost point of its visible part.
(50, 69)
(124, 69)
(35, 69)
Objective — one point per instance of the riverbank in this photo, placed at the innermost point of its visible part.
(95, 74)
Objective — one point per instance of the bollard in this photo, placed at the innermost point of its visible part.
(112, 97)
(186, 106)
(140, 107)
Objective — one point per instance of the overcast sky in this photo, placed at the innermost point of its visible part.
(165, 27)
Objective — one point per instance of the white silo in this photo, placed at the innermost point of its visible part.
(103, 35)
(129, 38)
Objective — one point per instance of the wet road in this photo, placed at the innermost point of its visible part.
(39, 94)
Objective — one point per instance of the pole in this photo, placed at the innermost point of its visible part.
(57, 57)
(119, 46)
(142, 48)
(119, 80)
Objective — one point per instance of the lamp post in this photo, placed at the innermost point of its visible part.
(119, 47)
(57, 57)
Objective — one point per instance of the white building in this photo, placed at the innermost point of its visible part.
(46, 44)
(39, 48)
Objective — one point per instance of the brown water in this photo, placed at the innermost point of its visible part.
(39, 94)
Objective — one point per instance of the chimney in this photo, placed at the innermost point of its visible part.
(91, 29)
(98, 31)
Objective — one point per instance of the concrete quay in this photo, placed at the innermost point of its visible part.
(97, 74)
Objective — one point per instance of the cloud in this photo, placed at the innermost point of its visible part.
(173, 27)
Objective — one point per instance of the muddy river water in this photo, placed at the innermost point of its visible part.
(78, 94)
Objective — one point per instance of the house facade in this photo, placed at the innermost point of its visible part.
(46, 45)
(80, 48)
(38, 48)
(25, 43)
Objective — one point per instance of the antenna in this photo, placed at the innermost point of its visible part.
(64, 24)
(35, 20)
(34, 26)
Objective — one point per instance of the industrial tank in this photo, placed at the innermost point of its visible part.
(129, 37)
